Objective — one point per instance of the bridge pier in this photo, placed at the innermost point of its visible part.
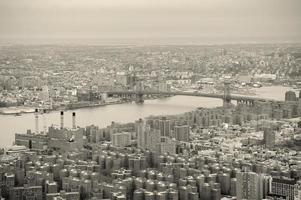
(226, 103)
(227, 95)
(139, 98)
(246, 102)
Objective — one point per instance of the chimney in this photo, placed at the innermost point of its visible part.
(36, 115)
(73, 121)
(44, 121)
(62, 119)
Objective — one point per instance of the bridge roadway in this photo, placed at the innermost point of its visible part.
(197, 94)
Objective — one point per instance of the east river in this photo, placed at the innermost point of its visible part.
(129, 112)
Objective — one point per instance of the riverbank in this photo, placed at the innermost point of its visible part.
(258, 92)
(103, 116)
(19, 110)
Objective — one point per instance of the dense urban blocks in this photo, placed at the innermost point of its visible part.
(209, 153)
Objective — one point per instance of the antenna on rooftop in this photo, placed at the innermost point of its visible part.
(36, 115)
(73, 121)
(62, 119)
(44, 121)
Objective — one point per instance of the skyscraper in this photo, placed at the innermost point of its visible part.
(163, 125)
(249, 186)
(141, 135)
(167, 145)
(269, 137)
(290, 96)
(283, 187)
(182, 133)
(153, 140)
(121, 139)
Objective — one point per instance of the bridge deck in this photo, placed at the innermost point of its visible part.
(197, 94)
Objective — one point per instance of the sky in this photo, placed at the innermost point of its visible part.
(150, 21)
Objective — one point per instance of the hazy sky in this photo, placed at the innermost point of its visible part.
(166, 21)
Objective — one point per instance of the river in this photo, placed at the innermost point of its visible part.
(104, 115)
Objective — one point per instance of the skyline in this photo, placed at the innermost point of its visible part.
(150, 22)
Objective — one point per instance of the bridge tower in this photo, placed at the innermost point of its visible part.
(227, 95)
(139, 94)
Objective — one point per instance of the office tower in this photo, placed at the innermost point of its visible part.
(182, 133)
(141, 135)
(298, 190)
(269, 137)
(249, 186)
(282, 187)
(153, 139)
(27, 192)
(121, 139)
(167, 145)
(164, 127)
(233, 187)
(290, 96)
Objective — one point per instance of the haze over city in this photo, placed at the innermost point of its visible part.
(150, 22)
(150, 100)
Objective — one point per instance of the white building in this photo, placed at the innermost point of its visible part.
(121, 139)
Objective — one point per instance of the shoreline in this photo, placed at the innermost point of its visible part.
(19, 110)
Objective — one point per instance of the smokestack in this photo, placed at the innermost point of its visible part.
(36, 115)
(44, 121)
(73, 121)
(62, 119)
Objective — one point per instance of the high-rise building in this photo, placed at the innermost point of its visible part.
(153, 139)
(249, 186)
(182, 133)
(290, 96)
(27, 192)
(121, 139)
(167, 145)
(163, 125)
(141, 135)
(269, 137)
(298, 190)
(283, 187)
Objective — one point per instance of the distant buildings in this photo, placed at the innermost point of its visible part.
(182, 133)
(141, 135)
(290, 96)
(167, 146)
(163, 125)
(121, 139)
(269, 137)
(283, 188)
(249, 186)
